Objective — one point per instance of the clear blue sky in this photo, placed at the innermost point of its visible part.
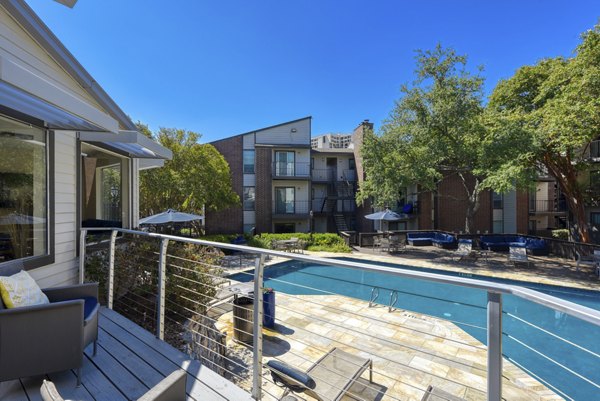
(225, 67)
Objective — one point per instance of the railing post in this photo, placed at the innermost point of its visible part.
(82, 237)
(111, 267)
(494, 343)
(257, 328)
(162, 278)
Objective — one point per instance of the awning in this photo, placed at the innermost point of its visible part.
(15, 102)
(127, 143)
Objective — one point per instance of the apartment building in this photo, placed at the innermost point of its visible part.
(332, 141)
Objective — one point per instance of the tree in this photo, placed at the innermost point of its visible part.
(553, 110)
(197, 177)
(434, 130)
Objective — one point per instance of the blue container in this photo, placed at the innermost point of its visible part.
(269, 309)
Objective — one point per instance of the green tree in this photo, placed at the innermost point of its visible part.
(197, 176)
(552, 111)
(435, 130)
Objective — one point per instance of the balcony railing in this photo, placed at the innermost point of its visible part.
(291, 170)
(322, 175)
(546, 206)
(349, 175)
(292, 207)
(411, 324)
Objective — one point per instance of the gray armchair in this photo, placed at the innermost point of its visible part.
(40, 339)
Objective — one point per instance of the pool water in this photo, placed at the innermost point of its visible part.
(532, 348)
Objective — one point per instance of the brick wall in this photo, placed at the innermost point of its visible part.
(230, 220)
(264, 188)
(424, 216)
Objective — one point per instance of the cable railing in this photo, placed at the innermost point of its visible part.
(470, 338)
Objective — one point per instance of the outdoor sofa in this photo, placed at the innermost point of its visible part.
(497, 243)
(40, 339)
(422, 238)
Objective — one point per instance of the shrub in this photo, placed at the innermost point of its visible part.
(562, 233)
(328, 242)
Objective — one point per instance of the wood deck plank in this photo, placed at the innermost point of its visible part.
(204, 377)
(66, 384)
(97, 384)
(124, 380)
(12, 390)
(139, 367)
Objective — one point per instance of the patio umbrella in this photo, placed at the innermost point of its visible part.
(384, 215)
(170, 216)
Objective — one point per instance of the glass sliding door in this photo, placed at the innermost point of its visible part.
(284, 164)
(284, 200)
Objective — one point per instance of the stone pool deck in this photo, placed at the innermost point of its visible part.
(409, 350)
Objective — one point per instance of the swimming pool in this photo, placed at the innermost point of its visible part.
(527, 327)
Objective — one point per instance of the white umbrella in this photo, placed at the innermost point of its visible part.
(170, 216)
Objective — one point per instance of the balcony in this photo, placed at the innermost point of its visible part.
(322, 175)
(291, 171)
(547, 206)
(333, 205)
(296, 209)
(166, 295)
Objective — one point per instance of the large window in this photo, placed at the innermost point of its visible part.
(110, 181)
(248, 162)
(23, 191)
(249, 197)
(595, 180)
(284, 163)
(284, 200)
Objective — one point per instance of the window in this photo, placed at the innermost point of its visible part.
(284, 200)
(281, 228)
(595, 219)
(284, 164)
(110, 184)
(249, 228)
(248, 162)
(23, 191)
(249, 198)
(497, 201)
(351, 164)
(312, 163)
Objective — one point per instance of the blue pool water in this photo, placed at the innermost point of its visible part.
(579, 376)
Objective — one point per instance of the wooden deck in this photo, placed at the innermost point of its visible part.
(130, 360)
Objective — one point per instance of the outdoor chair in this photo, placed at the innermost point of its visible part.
(171, 388)
(464, 250)
(591, 260)
(328, 379)
(518, 254)
(40, 339)
(376, 242)
(435, 394)
(397, 243)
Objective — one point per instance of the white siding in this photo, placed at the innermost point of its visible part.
(249, 180)
(282, 134)
(17, 46)
(249, 141)
(65, 268)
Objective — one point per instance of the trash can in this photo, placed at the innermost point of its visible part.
(269, 309)
(242, 319)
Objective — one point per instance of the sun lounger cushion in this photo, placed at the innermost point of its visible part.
(292, 378)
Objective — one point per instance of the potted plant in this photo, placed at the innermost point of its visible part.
(269, 308)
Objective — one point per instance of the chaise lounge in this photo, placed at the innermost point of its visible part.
(423, 238)
(498, 243)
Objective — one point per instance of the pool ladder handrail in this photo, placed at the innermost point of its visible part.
(393, 298)
(374, 296)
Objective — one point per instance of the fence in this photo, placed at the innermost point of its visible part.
(415, 327)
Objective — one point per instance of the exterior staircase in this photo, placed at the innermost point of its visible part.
(340, 222)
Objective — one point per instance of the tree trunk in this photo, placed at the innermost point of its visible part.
(566, 176)
(472, 203)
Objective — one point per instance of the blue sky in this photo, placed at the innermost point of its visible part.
(225, 67)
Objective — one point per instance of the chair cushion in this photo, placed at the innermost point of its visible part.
(89, 307)
(290, 377)
(21, 290)
(49, 392)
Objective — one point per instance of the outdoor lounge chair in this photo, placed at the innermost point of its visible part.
(171, 388)
(518, 254)
(40, 339)
(435, 394)
(464, 250)
(592, 260)
(328, 379)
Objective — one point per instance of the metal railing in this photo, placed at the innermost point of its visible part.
(292, 207)
(546, 206)
(171, 286)
(322, 174)
(291, 170)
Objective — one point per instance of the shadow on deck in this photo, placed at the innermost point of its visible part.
(130, 361)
